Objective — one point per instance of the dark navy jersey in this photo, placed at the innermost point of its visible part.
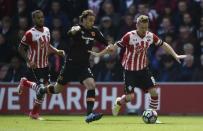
(81, 42)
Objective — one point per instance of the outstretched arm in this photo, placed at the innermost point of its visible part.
(170, 50)
(56, 51)
(110, 48)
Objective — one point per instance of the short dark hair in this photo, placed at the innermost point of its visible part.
(35, 12)
(86, 13)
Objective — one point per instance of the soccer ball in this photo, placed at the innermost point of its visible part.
(149, 116)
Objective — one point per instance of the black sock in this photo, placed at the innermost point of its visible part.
(90, 98)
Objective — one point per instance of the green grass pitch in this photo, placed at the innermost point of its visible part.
(107, 123)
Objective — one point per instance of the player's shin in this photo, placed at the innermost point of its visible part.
(126, 98)
(34, 114)
(154, 102)
(31, 85)
(90, 99)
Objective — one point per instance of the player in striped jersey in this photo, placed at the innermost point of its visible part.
(35, 48)
(135, 64)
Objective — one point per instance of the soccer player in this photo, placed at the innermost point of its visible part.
(135, 64)
(77, 64)
(35, 48)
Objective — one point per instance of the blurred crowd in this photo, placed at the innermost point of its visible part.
(178, 22)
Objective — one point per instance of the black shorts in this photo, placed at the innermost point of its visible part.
(39, 75)
(142, 79)
(73, 72)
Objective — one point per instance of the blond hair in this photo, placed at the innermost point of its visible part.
(142, 19)
(35, 12)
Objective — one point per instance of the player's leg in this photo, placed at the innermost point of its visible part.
(41, 90)
(41, 79)
(128, 95)
(31, 80)
(90, 85)
(87, 79)
(24, 83)
(51, 89)
(154, 101)
(90, 97)
(121, 101)
(56, 88)
(148, 84)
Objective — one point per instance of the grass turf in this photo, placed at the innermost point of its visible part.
(107, 123)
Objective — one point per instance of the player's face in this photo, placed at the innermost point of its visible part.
(39, 19)
(89, 21)
(142, 28)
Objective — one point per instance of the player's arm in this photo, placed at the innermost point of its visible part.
(73, 30)
(100, 37)
(110, 48)
(56, 51)
(167, 48)
(170, 50)
(22, 49)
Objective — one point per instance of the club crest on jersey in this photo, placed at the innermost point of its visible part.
(93, 33)
(148, 38)
(134, 40)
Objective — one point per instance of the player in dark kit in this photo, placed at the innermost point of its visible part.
(77, 64)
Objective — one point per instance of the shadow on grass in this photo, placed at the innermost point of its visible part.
(56, 120)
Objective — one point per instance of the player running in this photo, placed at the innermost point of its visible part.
(135, 63)
(77, 64)
(35, 48)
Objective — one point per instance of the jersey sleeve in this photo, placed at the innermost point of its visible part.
(70, 34)
(157, 41)
(27, 39)
(124, 40)
(99, 37)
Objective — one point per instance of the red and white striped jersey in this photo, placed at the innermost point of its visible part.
(135, 55)
(39, 44)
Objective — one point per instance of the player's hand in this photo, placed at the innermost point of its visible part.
(74, 29)
(179, 57)
(32, 65)
(61, 53)
(110, 48)
(94, 53)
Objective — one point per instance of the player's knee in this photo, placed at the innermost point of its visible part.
(153, 92)
(91, 86)
(129, 97)
(58, 88)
